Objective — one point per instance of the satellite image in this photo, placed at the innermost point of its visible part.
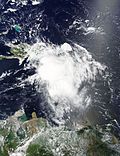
(59, 77)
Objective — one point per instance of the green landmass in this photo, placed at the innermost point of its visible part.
(38, 150)
(55, 141)
(17, 51)
(4, 57)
